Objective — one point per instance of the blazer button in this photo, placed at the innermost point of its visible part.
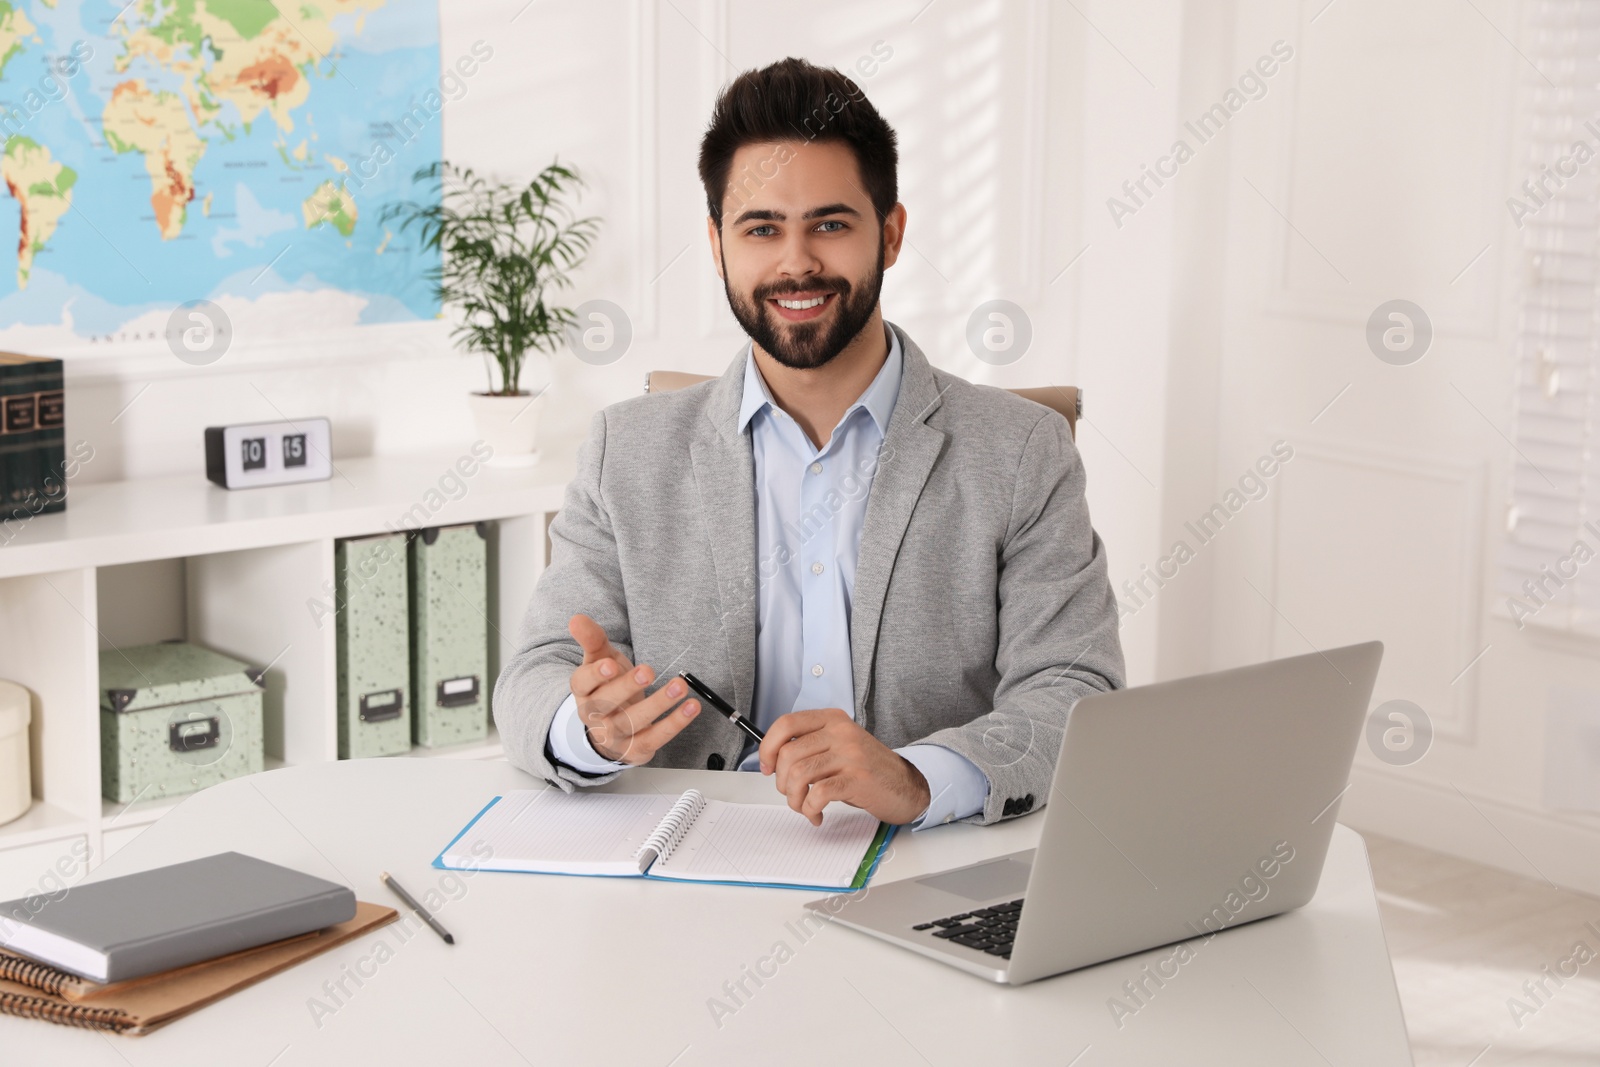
(1010, 806)
(1027, 802)
(715, 762)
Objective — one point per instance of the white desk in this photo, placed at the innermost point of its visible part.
(557, 970)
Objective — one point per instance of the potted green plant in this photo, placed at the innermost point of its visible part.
(504, 248)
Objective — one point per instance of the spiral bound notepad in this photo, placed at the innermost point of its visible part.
(35, 990)
(684, 838)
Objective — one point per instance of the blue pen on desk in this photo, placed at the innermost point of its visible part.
(710, 697)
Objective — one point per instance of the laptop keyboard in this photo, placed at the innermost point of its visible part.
(990, 930)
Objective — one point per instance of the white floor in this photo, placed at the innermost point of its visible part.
(1466, 938)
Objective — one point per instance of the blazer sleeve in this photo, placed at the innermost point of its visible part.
(1058, 633)
(584, 576)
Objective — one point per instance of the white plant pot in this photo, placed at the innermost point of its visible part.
(509, 425)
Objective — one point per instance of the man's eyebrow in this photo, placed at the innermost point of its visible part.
(831, 208)
(765, 215)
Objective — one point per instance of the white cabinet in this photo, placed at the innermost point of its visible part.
(247, 572)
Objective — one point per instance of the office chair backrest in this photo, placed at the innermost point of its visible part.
(1067, 399)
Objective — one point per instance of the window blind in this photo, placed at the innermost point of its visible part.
(1550, 574)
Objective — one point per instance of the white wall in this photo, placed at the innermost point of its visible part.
(1375, 168)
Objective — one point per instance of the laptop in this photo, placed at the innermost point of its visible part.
(1178, 810)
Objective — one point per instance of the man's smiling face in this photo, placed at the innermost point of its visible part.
(802, 254)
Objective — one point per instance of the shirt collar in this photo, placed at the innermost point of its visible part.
(878, 398)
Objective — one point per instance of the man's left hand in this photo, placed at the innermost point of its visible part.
(822, 755)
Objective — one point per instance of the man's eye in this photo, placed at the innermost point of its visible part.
(830, 222)
(756, 232)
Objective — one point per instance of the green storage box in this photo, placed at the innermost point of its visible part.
(174, 718)
(449, 634)
(373, 640)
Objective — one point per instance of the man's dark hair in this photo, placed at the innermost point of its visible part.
(794, 100)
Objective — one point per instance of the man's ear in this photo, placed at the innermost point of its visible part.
(894, 233)
(714, 236)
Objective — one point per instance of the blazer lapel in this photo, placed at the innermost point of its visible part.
(725, 477)
(906, 459)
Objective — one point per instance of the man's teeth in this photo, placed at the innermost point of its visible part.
(801, 305)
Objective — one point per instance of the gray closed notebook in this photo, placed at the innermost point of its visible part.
(153, 921)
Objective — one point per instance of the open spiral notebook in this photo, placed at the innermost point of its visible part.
(686, 838)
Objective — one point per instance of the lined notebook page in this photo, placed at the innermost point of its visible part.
(771, 843)
(550, 832)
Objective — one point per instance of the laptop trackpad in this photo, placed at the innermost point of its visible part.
(1002, 878)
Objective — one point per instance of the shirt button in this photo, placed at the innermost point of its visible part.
(816, 468)
(816, 568)
(816, 670)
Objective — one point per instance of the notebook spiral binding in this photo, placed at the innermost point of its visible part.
(674, 824)
(81, 1015)
(33, 974)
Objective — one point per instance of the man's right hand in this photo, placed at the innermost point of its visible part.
(620, 720)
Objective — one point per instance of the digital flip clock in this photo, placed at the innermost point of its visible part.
(269, 453)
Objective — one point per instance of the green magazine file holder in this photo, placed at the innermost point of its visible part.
(449, 634)
(374, 708)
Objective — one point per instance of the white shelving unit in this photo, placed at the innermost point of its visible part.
(247, 572)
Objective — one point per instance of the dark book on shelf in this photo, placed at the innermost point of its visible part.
(33, 452)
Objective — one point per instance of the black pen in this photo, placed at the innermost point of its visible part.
(411, 901)
(710, 697)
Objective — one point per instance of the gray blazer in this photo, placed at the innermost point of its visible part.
(981, 609)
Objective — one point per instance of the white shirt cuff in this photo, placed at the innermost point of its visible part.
(956, 786)
(569, 742)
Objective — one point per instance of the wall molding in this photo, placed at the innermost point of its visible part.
(1474, 316)
(1565, 848)
(644, 69)
(713, 73)
(1470, 479)
(1035, 151)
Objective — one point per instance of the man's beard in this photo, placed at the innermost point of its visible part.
(807, 345)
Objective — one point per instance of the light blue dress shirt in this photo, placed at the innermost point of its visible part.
(810, 505)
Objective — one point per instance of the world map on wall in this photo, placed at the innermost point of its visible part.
(240, 151)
